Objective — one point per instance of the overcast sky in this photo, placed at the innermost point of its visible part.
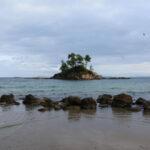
(35, 35)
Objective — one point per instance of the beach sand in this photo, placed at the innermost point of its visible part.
(24, 128)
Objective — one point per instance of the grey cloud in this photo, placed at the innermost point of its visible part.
(48, 30)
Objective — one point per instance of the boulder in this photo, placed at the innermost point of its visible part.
(72, 101)
(122, 100)
(8, 100)
(105, 99)
(46, 102)
(59, 105)
(31, 100)
(88, 103)
(140, 101)
(147, 106)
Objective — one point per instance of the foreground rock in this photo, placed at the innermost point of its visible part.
(140, 101)
(31, 100)
(47, 103)
(122, 100)
(147, 106)
(72, 101)
(88, 103)
(8, 100)
(105, 99)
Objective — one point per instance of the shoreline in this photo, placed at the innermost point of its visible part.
(24, 128)
(122, 100)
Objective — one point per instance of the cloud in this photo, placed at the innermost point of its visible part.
(35, 35)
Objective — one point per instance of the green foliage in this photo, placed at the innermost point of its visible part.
(76, 62)
(64, 67)
(87, 59)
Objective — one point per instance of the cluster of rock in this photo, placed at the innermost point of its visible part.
(8, 100)
(121, 101)
(66, 103)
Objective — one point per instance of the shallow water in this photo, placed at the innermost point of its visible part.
(57, 89)
(23, 128)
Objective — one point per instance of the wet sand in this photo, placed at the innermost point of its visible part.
(24, 128)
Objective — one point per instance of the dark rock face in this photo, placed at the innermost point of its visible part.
(72, 101)
(31, 100)
(140, 101)
(8, 100)
(75, 74)
(88, 103)
(105, 99)
(122, 100)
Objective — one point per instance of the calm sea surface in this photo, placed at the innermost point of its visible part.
(57, 89)
(24, 128)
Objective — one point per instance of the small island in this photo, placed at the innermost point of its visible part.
(76, 68)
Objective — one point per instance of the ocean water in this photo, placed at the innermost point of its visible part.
(25, 128)
(57, 89)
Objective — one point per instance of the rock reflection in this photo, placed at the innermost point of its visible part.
(75, 114)
(31, 108)
(146, 114)
(121, 113)
(6, 108)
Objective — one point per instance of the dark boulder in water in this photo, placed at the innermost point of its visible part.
(122, 100)
(8, 100)
(105, 99)
(147, 106)
(46, 102)
(88, 103)
(31, 100)
(72, 101)
(140, 101)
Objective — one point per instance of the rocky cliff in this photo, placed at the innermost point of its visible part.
(77, 75)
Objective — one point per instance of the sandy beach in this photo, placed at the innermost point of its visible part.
(23, 128)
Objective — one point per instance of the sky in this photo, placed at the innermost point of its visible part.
(35, 35)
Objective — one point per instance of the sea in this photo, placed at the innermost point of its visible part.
(57, 89)
(25, 128)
